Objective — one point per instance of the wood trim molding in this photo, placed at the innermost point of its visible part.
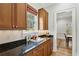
(31, 9)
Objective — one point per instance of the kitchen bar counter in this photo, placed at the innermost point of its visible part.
(42, 48)
(19, 48)
(32, 45)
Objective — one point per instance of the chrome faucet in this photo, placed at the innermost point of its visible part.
(28, 38)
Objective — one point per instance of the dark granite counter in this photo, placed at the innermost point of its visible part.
(12, 48)
(32, 45)
(18, 48)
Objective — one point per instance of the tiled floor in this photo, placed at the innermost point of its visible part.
(62, 50)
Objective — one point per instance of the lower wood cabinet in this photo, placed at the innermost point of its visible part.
(43, 49)
(38, 52)
(29, 53)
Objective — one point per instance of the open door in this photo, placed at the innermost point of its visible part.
(65, 24)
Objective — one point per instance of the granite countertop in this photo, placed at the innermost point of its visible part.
(32, 45)
(26, 48)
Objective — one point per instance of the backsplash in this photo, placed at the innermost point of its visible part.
(14, 35)
(10, 35)
(40, 32)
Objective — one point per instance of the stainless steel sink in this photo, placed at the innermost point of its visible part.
(38, 40)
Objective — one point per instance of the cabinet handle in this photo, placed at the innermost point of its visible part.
(16, 26)
(13, 26)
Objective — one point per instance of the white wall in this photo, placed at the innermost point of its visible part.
(10, 35)
(77, 17)
(52, 23)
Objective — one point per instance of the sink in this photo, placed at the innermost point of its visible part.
(28, 46)
(37, 40)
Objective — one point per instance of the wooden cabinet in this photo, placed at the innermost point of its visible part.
(20, 12)
(43, 49)
(38, 52)
(29, 53)
(42, 19)
(5, 16)
(46, 20)
(49, 47)
(12, 16)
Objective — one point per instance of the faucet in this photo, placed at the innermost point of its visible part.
(28, 38)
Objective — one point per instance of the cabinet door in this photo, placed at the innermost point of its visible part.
(38, 52)
(40, 20)
(45, 50)
(30, 53)
(46, 21)
(49, 47)
(5, 16)
(20, 15)
(43, 19)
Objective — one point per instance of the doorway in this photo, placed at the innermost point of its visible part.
(65, 24)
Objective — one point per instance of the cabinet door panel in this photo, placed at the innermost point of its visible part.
(20, 16)
(49, 47)
(5, 16)
(43, 19)
(38, 52)
(45, 50)
(46, 19)
(29, 53)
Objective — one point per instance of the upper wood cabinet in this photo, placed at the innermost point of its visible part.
(31, 18)
(14, 15)
(42, 19)
(5, 16)
(31, 10)
(20, 16)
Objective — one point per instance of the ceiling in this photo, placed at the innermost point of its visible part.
(41, 5)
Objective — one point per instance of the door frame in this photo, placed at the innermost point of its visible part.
(74, 40)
